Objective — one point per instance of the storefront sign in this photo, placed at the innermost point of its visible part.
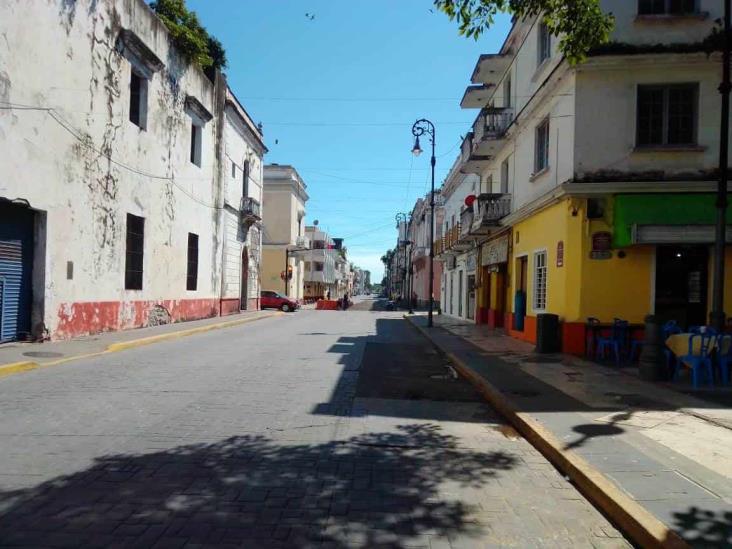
(601, 245)
(470, 264)
(560, 253)
(495, 251)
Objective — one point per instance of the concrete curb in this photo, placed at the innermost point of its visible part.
(632, 518)
(18, 367)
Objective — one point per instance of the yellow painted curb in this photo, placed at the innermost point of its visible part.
(632, 518)
(122, 345)
(15, 367)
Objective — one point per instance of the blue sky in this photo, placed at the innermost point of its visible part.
(338, 95)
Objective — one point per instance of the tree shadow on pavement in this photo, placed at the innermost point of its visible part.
(378, 489)
(704, 528)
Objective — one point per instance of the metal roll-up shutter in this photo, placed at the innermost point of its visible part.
(16, 265)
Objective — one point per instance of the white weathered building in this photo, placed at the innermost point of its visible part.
(112, 201)
(242, 175)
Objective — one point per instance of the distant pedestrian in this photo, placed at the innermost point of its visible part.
(345, 301)
(328, 295)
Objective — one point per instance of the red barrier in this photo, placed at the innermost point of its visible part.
(325, 305)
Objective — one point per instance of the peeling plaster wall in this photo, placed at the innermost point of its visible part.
(238, 149)
(72, 152)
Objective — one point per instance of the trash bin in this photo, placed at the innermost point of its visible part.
(547, 333)
(519, 310)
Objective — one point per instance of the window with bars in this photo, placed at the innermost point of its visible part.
(541, 149)
(667, 7)
(504, 176)
(666, 115)
(507, 91)
(192, 273)
(138, 100)
(540, 271)
(134, 252)
(544, 44)
(196, 143)
(245, 179)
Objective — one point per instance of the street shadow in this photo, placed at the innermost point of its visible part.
(591, 430)
(393, 373)
(378, 489)
(704, 528)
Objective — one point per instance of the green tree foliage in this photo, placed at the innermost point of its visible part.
(580, 24)
(191, 39)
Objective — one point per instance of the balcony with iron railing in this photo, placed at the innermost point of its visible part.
(490, 208)
(250, 210)
(302, 242)
(489, 130)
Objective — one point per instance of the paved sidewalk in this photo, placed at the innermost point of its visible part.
(668, 451)
(51, 352)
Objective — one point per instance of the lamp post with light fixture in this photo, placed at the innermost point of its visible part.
(421, 127)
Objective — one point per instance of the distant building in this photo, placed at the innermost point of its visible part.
(320, 265)
(285, 238)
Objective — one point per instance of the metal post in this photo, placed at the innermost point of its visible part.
(420, 127)
(411, 283)
(432, 233)
(717, 314)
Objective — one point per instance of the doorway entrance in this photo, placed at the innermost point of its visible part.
(244, 285)
(460, 294)
(470, 313)
(499, 307)
(16, 269)
(519, 299)
(681, 284)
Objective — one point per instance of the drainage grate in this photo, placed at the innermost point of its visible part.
(43, 354)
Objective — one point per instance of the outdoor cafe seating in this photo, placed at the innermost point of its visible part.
(700, 349)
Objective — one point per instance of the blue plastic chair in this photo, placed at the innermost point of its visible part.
(616, 340)
(669, 329)
(698, 330)
(697, 361)
(724, 350)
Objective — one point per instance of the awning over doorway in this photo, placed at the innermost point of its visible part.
(664, 218)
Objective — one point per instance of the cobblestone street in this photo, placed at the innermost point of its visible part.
(332, 429)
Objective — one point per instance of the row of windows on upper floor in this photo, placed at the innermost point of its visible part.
(645, 7)
(138, 115)
(666, 116)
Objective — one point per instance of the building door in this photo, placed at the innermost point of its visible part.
(460, 294)
(16, 267)
(500, 303)
(244, 285)
(470, 313)
(452, 292)
(519, 298)
(681, 284)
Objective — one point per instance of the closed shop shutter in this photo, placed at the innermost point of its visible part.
(16, 257)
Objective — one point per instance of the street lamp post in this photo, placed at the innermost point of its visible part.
(401, 220)
(717, 314)
(421, 127)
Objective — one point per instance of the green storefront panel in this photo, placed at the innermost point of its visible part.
(660, 209)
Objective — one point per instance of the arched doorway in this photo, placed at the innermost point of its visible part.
(244, 285)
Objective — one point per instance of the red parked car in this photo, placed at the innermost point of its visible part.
(273, 300)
